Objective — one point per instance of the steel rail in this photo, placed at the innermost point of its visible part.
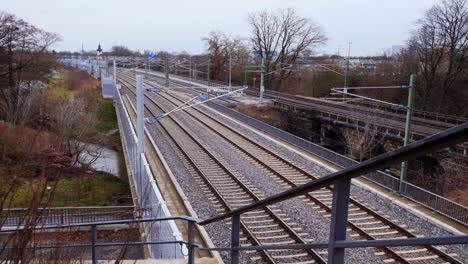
(384, 220)
(272, 214)
(359, 205)
(310, 102)
(226, 205)
(209, 184)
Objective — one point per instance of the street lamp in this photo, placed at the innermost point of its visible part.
(49, 190)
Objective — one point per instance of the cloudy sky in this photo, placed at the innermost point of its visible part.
(372, 26)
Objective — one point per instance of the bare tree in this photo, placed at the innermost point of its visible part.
(281, 38)
(76, 125)
(24, 55)
(220, 46)
(122, 51)
(440, 45)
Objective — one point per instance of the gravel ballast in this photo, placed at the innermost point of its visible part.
(311, 221)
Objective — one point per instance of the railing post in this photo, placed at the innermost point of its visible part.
(93, 241)
(235, 239)
(61, 216)
(339, 220)
(191, 240)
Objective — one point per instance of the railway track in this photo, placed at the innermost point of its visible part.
(420, 127)
(391, 120)
(360, 109)
(363, 221)
(261, 227)
(429, 126)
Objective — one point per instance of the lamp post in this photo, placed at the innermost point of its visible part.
(49, 189)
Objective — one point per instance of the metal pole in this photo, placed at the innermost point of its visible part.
(339, 220)
(190, 242)
(230, 69)
(140, 114)
(235, 239)
(262, 80)
(347, 69)
(208, 72)
(93, 242)
(115, 73)
(245, 74)
(409, 114)
(195, 72)
(190, 68)
(166, 68)
(140, 132)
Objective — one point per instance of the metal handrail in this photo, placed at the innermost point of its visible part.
(446, 240)
(71, 207)
(433, 143)
(378, 177)
(113, 222)
(341, 181)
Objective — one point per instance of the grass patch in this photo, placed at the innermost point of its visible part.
(83, 190)
(107, 119)
(59, 89)
(63, 92)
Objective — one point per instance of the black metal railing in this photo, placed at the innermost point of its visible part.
(437, 203)
(65, 215)
(94, 245)
(341, 181)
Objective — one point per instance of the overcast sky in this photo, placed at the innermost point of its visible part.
(372, 26)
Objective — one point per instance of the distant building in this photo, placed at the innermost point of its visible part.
(99, 50)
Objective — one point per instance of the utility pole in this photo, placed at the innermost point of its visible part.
(245, 74)
(195, 72)
(208, 69)
(262, 78)
(409, 115)
(166, 68)
(140, 129)
(230, 69)
(262, 81)
(115, 73)
(190, 68)
(347, 69)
